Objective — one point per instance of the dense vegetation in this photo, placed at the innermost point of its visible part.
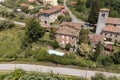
(20, 74)
(87, 10)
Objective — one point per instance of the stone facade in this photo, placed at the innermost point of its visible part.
(103, 15)
(1, 1)
(113, 35)
(68, 32)
(49, 16)
(65, 39)
(108, 26)
(52, 2)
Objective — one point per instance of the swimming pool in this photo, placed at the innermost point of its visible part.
(56, 52)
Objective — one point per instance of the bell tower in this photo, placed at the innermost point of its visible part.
(102, 19)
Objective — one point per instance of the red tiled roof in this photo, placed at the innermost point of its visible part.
(113, 20)
(73, 3)
(110, 28)
(67, 31)
(24, 5)
(69, 28)
(96, 38)
(51, 10)
(61, 7)
(72, 24)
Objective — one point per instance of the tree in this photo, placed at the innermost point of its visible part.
(83, 36)
(52, 34)
(85, 50)
(80, 5)
(116, 57)
(98, 76)
(106, 61)
(34, 30)
(67, 47)
(55, 44)
(65, 18)
(93, 15)
(98, 51)
(18, 73)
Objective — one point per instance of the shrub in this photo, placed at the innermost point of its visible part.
(67, 47)
(6, 25)
(54, 44)
(18, 73)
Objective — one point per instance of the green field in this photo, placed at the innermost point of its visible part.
(10, 41)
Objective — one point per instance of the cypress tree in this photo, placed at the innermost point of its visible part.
(98, 51)
(93, 15)
(83, 36)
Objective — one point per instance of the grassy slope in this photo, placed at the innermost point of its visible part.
(10, 40)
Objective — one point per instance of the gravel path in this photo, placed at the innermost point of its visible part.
(15, 22)
(74, 18)
(60, 70)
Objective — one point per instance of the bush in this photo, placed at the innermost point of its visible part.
(116, 57)
(42, 55)
(6, 25)
(98, 76)
(18, 73)
(55, 44)
(67, 47)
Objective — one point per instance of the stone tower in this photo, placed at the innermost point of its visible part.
(55, 2)
(102, 19)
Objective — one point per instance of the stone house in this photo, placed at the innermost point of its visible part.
(49, 16)
(68, 32)
(51, 2)
(1, 1)
(108, 26)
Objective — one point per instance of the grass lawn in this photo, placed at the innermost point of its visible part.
(10, 41)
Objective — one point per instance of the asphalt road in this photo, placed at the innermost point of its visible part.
(60, 70)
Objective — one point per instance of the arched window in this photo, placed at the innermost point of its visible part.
(103, 15)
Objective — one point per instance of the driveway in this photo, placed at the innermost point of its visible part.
(60, 70)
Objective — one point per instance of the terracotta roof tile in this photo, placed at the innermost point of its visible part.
(69, 28)
(111, 28)
(67, 31)
(72, 24)
(113, 20)
(96, 38)
(51, 10)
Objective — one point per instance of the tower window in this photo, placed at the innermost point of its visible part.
(103, 15)
(116, 35)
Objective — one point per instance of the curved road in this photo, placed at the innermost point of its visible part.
(60, 70)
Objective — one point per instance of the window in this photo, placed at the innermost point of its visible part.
(63, 36)
(63, 42)
(105, 34)
(67, 42)
(72, 37)
(116, 35)
(103, 15)
(111, 35)
(67, 38)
